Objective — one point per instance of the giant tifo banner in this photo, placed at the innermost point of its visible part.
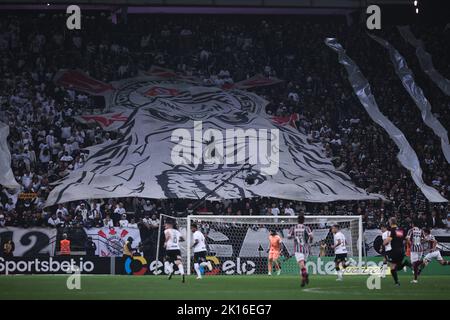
(110, 241)
(6, 174)
(179, 138)
(30, 242)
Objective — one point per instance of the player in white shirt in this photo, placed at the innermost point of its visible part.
(386, 248)
(172, 246)
(199, 246)
(340, 250)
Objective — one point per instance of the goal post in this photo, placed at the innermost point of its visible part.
(239, 244)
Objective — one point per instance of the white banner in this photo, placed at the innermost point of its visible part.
(6, 175)
(425, 60)
(407, 156)
(30, 242)
(140, 163)
(415, 92)
(110, 241)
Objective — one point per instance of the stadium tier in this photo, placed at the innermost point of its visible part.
(219, 145)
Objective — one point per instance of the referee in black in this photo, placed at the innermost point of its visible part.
(396, 256)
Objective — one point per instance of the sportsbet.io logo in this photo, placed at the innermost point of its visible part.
(136, 266)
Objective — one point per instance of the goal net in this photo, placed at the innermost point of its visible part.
(239, 244)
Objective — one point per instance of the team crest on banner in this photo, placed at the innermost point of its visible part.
(110, 241)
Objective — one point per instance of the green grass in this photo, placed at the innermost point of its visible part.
(219, 287)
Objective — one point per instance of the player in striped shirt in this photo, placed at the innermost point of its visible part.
(433, 250)
(415, 237)
(302, 236)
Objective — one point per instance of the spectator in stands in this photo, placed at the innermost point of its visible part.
(119, 211)
(54, 221)
(107, 222)
(274, 211)
(123, 223)
(90, 247)
(288, 210)
(132, 224)
(434, 221)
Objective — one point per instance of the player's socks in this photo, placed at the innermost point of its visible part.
(181, 268)
(416, 269)
(304, 276)
(171, 270)
(197, 270)
(339, 273)
(394, 275)
(383, 270)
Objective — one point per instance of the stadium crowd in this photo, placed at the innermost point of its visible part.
(46, 143)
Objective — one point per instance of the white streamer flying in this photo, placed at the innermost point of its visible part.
(406, 156)
(415, 92)
(425, 60)
(6, 175)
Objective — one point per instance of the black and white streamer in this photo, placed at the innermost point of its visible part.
(425, 60)
(407, 156)
(415, 92)
(6, 174)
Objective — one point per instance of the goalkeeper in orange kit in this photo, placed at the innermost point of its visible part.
(274, 252)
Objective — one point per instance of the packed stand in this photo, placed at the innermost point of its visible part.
(46, 143)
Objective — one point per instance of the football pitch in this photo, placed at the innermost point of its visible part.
(260, 287)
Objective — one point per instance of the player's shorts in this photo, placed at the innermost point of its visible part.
(340, 257)
(395, 257)
(416, 256)
(200, 256)
(301, 256)
(274, 255)
(173, 255)
(434, 255)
